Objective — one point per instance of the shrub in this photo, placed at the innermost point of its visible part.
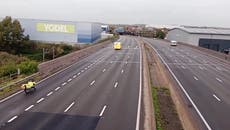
(7, 69)
(28, 67)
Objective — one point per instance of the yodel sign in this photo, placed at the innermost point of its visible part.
(61, 28)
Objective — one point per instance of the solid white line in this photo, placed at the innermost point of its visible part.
(102, 110)
(57, 88)
(64, 84)
(195, 77)
(92, 83)
(69, 80)
(140, 90)
(74, 76)
(28, 108)
(185, 92)
(13, 118)
(216, 98)
(49, 94)
(3, 100)
(122, 71)
(40, 100)
(115, 84)
(219, 80)
(79, 73)
(104, 70)
(69, 106)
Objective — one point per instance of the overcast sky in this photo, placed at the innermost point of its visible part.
(159, 12)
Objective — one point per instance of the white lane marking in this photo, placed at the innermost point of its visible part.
(49, 94)
(88, 66)
(195, 77)
(183, 67)
(115, 85)
(79, 73)
(69, 106)
(104, 70)
(122, 71)
(13, 118)
(201, 67)
(185, 92)
(64, 84)
(3, 100)
(69, 80)
(140, 92)
(40, 100)
(111, 62)
(82, 71)
(56, 89)
(92, 83)
(74, 76)
(102, 111)
(126, 62)
(28, 108)
(219, 80)
(218, 99)
(218, 68)
(85, 68)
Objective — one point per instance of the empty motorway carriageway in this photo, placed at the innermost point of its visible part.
(102, 92)
(203, 78)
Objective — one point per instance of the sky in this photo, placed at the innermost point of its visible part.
(155, 12)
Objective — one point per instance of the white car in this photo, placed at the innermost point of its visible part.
(173, 43)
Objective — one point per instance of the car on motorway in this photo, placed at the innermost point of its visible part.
(173, 43)
(117, 45)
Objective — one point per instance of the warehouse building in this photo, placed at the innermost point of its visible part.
(217, 39)
(61, 31)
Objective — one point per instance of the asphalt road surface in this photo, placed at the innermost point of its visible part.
(205, 78)
(100, 92)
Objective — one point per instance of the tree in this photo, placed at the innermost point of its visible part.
(160, 34)
(11, 36)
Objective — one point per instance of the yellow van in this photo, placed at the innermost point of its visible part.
(117, 45)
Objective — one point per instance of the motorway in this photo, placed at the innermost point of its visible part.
(99, 92)
(205, 78)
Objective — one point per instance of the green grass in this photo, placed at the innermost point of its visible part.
(156, 108)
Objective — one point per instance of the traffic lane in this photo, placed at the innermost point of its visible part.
(217, 108)
(205, 72)
(121, 113)
(79, 86)
(16, 104)
(215, 112)
(218, 75)
(58, 103)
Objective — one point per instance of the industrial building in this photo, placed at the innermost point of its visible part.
(217, 39)
(61, 31)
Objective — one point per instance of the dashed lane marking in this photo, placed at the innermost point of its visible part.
(40, 100)
(28, 108)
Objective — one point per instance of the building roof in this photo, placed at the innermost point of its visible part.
(205, 30)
